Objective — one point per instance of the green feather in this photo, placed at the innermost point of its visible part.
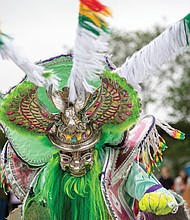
(85, 23)
(5, 35)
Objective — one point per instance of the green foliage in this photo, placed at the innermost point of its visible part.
(179, 94)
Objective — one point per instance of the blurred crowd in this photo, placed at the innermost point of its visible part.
(180, 184)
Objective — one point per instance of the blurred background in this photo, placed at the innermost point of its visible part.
(45, 29)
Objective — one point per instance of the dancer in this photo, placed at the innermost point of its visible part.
(77, 147)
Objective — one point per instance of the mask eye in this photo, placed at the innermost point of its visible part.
(87, 157)
(65, 158)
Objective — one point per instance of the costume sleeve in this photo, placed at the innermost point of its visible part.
(152, 196)
(139, 182)
(172, 42)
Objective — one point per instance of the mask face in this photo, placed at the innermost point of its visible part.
(77, 163)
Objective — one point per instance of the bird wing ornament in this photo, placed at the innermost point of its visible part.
(22, 110)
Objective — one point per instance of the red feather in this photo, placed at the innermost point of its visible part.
(94, 5)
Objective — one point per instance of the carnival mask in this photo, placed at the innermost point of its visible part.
(77, 163)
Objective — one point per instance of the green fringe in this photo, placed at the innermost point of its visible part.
(47, 74)
(65, 197)
(135, 102)
(1, 97)
(186, 21)
(109, 138)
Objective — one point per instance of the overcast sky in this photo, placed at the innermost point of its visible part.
(42, 27)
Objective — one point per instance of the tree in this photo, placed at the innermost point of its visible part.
(179, 92)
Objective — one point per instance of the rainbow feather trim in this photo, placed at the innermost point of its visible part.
(91, 16)
(177, 134)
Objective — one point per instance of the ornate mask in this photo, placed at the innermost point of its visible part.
(77, 163)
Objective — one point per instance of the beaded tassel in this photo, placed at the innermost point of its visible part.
(171, 131)
(151, 149)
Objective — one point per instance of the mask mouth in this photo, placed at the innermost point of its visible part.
(78, 173)
(82, 171)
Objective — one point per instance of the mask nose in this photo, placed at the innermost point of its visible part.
(77, 163)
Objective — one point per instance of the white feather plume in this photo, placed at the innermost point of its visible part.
(34, 72)
(164, 48)
(88, 62)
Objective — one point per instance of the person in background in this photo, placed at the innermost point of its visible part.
(165, 179)
(182, 186)
(180, 182)
(186, 193)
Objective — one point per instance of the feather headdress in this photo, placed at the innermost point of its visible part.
(90, 48)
